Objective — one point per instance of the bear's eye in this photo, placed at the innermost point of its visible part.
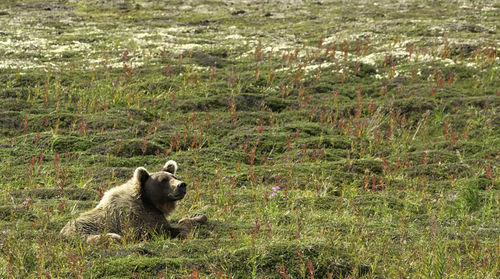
(164, 179)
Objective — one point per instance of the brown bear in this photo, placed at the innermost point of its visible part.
(141, 205)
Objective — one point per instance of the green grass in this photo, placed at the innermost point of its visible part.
(379, 123)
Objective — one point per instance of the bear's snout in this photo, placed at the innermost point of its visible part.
(180, 190)
(182, 187)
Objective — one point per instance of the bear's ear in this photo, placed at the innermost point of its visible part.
(141, 175)
(171, 167)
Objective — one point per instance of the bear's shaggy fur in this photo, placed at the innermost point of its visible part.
(140, 206)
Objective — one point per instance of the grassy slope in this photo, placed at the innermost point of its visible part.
(379, 123)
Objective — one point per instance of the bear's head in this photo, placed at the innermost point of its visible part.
(161, 189)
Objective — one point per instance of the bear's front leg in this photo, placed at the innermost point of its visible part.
(186, 225)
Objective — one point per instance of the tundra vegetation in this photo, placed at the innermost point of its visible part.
(322, 139)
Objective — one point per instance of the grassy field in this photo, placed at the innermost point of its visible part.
(323, 139)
